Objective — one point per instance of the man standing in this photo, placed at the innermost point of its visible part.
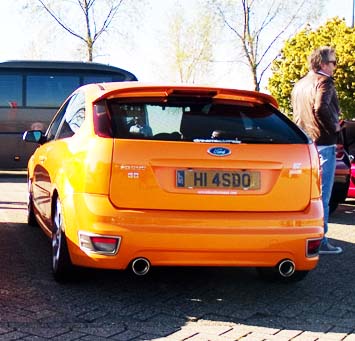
(316, 111)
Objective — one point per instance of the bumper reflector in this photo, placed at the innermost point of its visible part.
(312, 248)
(99, 244)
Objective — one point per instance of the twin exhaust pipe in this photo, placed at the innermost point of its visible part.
(141, 266)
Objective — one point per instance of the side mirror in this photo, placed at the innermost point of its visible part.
(35, 136)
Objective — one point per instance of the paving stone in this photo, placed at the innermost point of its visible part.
(45, 332)
(127, 335)
(14, 335)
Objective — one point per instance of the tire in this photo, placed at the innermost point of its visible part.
(61, 264)
(272, 275)
(31, 218)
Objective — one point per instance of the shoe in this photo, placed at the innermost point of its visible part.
(329, 249)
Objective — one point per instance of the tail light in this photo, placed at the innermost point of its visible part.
(108, 245)
(102, 121)
(316, 174)
(312, 247)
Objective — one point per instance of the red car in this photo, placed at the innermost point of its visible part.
(341, 179)
(349, 142)
(351, 191)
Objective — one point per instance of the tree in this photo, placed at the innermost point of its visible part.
(260, 25)
(86, 20)
(191, 44)
(292, 63)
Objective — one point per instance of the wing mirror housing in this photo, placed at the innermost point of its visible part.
(35, 136)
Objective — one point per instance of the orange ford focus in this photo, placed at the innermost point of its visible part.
(130, 175)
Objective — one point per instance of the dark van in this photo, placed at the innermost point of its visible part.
(32, 91)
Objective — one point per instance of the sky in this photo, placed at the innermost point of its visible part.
(146, 58)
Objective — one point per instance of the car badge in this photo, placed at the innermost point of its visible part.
(219, 151)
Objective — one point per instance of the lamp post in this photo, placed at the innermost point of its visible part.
(352, 22)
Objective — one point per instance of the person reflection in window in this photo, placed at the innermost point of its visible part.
(140, 128)
(218, 134)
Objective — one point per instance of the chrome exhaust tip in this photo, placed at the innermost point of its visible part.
(286, 268)
(140, 266)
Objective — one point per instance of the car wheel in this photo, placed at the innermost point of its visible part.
(61, 264)
(31, 219)
(272, 275)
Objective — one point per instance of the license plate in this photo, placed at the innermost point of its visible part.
(192, 178)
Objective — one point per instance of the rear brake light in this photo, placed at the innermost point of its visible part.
(99, 244)
(102, 121)
(104, 244)
(312, 247)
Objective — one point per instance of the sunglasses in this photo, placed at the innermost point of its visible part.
(334, 62)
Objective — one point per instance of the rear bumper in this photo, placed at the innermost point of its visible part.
(182, 238)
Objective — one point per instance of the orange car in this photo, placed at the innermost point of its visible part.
(136, 175)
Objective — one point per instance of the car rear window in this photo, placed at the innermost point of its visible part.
(217, 121)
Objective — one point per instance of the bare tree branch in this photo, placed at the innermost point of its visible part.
(250, 33)
(109, 17)
(53, 15)
(89, 25)
(192, 43)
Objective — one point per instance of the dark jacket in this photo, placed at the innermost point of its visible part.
(316, 107)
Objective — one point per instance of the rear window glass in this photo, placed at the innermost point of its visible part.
(209, 122)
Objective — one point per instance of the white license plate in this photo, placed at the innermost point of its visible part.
(193, 178)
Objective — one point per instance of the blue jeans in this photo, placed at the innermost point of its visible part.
(327, 162)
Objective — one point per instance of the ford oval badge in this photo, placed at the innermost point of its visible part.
(219, 151)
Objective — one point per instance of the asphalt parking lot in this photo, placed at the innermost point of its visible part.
(170, 303)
